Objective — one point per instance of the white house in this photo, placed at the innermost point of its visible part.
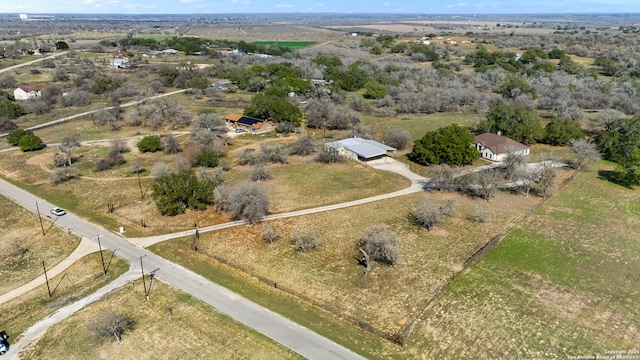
(495, 147)
(26, 92)
(359, 149)
(118, 63)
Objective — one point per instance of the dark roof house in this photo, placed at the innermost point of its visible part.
(495, 147)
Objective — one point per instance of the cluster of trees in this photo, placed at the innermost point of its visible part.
(620, 143)
(25, 140)
(448, 145)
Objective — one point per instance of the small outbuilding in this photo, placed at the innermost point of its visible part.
(26, 92)
(222, 84)
(360, 149)
(495, 147)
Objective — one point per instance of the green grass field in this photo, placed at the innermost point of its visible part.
(562, 284)
(288, 44)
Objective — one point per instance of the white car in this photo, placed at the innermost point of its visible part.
(57, 211)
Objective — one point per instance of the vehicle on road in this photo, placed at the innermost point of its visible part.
(57, 211)
(4, 346)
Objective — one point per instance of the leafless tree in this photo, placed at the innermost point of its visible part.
(584, 152)
(511, 163)
(486, 183)
(547, 174)
(160, 169)
(397, 138)
(304, 146)
(380, 244)
(249, 201)
(441, 176)
(328, 155)
(269, 234)
(110, 323)
(480, 215)
(170, 144)
(526, 176)
(64, 174)
(429, 214)
(69, 143)
(260, 173)
(6, 124)
(306, 241)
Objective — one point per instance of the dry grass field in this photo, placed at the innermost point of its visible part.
(172, 325)
(297, 185)
(80, 279)
(564, 283)
(274, 32)
(331, 278)
(23, 247)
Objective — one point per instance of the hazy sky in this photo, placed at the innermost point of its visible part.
(340, 6)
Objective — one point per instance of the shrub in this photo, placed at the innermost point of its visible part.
(207, 158)
(428, 214)
(304, 146)
(151, 143)
(14, 136)
(6, 124)
(109, 323)
(102, 165)
(30, 142)
(329, 155)
(64, 174)
(269, 234)
(174, 193)
(306, 241)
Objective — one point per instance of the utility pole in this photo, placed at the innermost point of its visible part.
(46, 278)
(40, 218)
(104, 269)
(146, 296)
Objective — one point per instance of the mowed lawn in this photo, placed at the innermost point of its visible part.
(23, 247)
(171, 325)
(565, 283)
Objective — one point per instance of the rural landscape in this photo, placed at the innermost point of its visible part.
(323, 186)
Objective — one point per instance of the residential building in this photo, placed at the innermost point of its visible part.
(495, 147)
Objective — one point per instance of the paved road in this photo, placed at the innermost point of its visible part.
(297, 338)
(31, 62)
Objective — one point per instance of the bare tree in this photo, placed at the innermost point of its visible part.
(584, 152)
(428, 214)
(306, 241)
(441, 176)
(511, 163)
(160, 169)
(269, 234)
(486, 183)
(480, 215)
(397, 138)
(304, 146)
(65, 174)
(260, 173)
(110, 323)
(328, 155)
(525, 176)
(170, 144)
(249, 201)
(547, 174)
(380, 244)
(67, 146)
